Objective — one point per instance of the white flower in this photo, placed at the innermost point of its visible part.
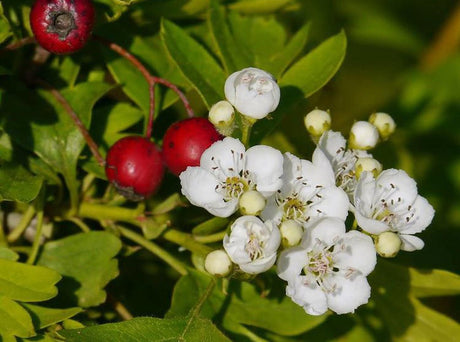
(343, 161)
(226, 171)
(391, 203)
(363, 135)
(252, 244)
(253, 92)
(308, 192)
(329, 268)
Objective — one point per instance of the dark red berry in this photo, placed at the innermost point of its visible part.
(135, 167)
(62, 26)
(185, 141)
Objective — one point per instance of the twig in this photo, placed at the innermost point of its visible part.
(151, 80)
(16, 45)
(81, 127)
(446, 42)
(119, 307)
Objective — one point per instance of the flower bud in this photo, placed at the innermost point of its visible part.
(367, 164)
(252, 203)
(218, 263)
(317, 122)
(222, 116)
(384, 123)
(388, 244)
(363, 136)
(291, 233)
(253, 92)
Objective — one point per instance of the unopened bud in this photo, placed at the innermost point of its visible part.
(367, 164)
(388, 244)
(291, 233)
(363, 136)
(222, 115)
(317, 122)
(252, 203)
(218, 263)
(384, 123)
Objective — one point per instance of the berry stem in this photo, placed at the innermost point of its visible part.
(151, 80)
(154, 248)
(68, 108)
(23, 224)
(39, 204)
(20, 43)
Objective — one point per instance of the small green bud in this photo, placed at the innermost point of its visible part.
(384, 123)
(388, 244)
(218, 263)
(317, 122)
(363, 136)
(222, 115)
(368, 164)
(291, 233)
(252, 203)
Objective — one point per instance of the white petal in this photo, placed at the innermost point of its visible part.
(334, 202)
(259, 265)
(327, 230)
(272, 211)
(272, 244)
(198, 185)
(349, 295)
(292, 168)
(370, 225)
(411, 243)
(310, 297)
(266, 164)
(322, 163)
(359, 253)
(405, 187)
(226, 154)
(330, 143)
(364, 194)
(291, 262)
(424, 214)
(229, 88)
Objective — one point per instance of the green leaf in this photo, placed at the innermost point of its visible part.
(86, 262)
(43, 317)
(5, 30)
(281, 60)
(8, 254)
(244, 306)
(303, 79)
(43, 126)
(27, 283)
(18, 184)
(260, 37)
(405, 316)
(428, 283)
(14, 320)
(259, 6)
(211, 226)
(149, 329)
(173, 8)
(231, 54)
(196, 64)
(315, 69)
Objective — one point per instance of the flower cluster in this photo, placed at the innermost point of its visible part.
(293, 211)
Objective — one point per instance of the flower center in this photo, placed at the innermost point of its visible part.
(234, 187)
(261, 85)
(257, 239)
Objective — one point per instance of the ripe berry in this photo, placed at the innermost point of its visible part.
(135, 167)
(185, 141)
(62, 26)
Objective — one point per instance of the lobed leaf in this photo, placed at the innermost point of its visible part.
(86, 262)
(14, 320)
(43, 317)
(18, 184)
(27, 283)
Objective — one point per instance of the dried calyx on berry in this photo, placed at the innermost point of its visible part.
(135, 167)
(62, 26)
(185, 141)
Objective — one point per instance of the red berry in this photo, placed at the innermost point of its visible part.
(135, 167)
(185, 141)
(62, 26)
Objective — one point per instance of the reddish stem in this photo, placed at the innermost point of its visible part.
(151, 80)
(20, 43)
(81, 127)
